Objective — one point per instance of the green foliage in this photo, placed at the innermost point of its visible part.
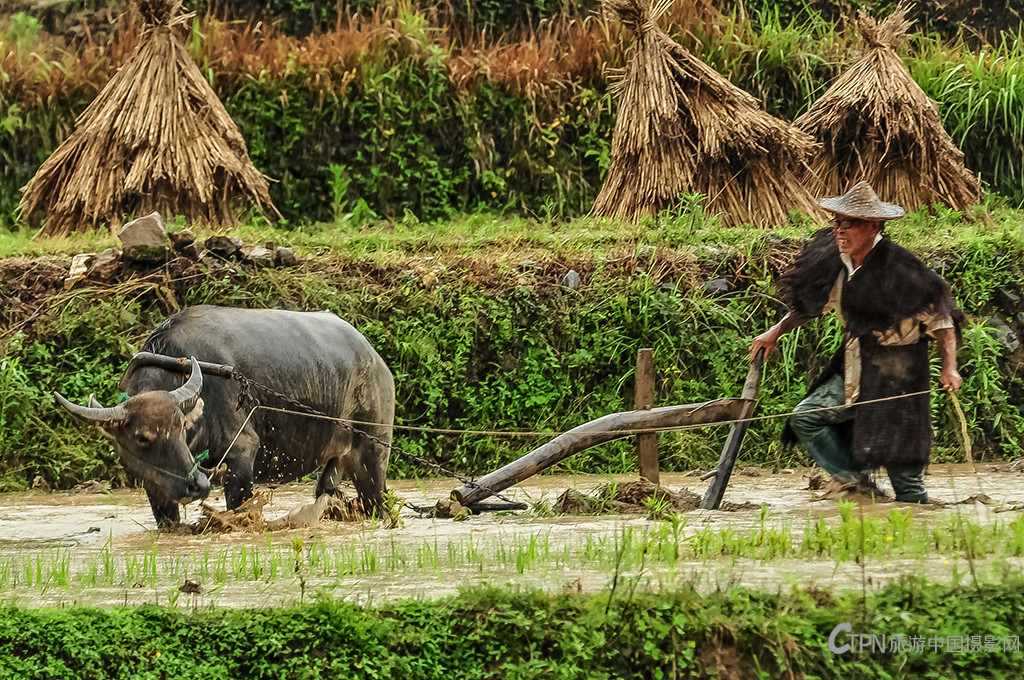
(486, 345)
(487, 633)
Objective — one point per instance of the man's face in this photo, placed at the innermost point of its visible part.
(854, 235)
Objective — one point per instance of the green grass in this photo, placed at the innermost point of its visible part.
(479, 339)
(516, 633)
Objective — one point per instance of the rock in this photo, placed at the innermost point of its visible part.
(177, 267)
(1004, 334)
(572, 280)
(712, 253)
(752, 471)
(717, 286)
(259, 256)
(285, 257)
(79, 268)
(92, 486)
(145, 239)
(224, 246)
(449, 509)
(1020, 319)
(40, 483)
(191, 587)
(215, 269)
(191, 251)
(1008, 300)
(104, 266)
(180, 239)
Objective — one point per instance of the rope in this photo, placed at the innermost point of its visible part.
(237, 435)
(553, 433)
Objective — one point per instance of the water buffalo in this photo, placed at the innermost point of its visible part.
(314, 358)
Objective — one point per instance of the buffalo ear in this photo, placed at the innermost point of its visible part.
(194, 414)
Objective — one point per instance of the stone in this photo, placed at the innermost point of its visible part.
(717, 286)
(145, 239)
(191, 251)
(177, 267)
(259, 256)
(572, 280)
(224, 246)
(713, 253)
(1008, 300)
(285, 257)
(1020, 320)
(104, 266)
(1004, 334)
(78, 269)
(180, 239)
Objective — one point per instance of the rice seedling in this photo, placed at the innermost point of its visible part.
(667, 545)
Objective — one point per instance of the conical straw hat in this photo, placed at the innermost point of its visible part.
(862, 202)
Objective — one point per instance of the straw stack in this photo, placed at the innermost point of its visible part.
(683, 128)
(876, 124)
(156, 138)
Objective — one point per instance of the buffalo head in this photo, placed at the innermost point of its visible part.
(148, 431)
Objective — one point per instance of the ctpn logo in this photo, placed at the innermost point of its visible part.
(842, 640)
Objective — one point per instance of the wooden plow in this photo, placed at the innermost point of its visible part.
(629, 423)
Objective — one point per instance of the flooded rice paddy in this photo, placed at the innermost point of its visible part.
(102, 548)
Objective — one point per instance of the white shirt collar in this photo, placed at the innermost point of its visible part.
(850, 270)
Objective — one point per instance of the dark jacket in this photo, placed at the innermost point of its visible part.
(891, 285)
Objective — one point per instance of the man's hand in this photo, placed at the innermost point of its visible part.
(765, 341)
(770, 337)
(950, 379)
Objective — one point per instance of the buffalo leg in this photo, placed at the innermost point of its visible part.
(329, 478)
(165, 512)
(369, 465)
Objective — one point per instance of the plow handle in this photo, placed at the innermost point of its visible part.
(751, 387)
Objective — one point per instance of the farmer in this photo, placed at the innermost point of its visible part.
(889, 304)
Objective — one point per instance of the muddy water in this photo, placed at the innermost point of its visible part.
(103, 548)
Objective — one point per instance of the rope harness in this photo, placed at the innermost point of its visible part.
(247, 399)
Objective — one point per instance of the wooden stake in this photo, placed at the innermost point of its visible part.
(646, 444)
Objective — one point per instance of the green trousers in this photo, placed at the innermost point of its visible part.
(818, 433)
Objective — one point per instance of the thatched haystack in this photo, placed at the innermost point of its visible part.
(876, 124)
(155, 139)
(684, 128)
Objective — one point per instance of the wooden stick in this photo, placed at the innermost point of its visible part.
(646, 444)
(605, 429)
(713, 496)
(181, 365)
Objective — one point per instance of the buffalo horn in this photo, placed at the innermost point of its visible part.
(185, 396)
(93, 415)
